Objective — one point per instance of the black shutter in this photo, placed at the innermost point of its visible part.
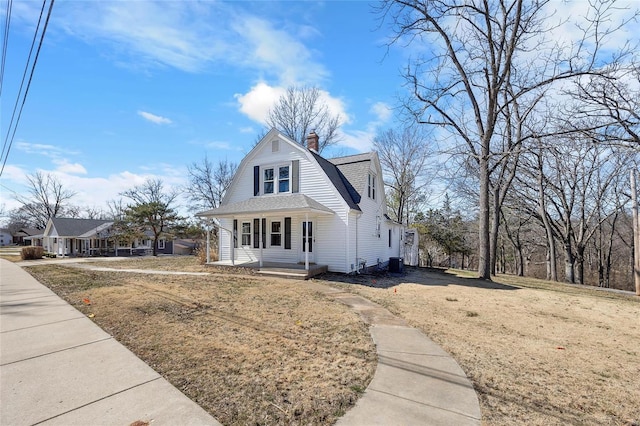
(295, 176)
(256, 233)
(389, 237)
(287, 233)
(264, 233)
(235, 233)
(256, 180)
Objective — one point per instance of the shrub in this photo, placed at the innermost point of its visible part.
(201, 254)
(31, 252)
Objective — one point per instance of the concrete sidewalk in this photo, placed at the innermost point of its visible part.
(416, 382)
(58, 368)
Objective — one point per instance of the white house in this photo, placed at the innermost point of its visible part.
(288, 205)
(93, 237)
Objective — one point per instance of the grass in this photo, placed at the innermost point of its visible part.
(249, 350)
(537, 352)
(268, 351)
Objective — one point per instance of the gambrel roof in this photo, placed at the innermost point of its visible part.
(347, 175)
(340, 181)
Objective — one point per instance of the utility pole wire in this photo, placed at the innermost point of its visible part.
(24, 98)
(5, 40)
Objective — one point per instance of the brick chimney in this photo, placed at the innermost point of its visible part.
(313, 141)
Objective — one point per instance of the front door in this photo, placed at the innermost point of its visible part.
(307, 240)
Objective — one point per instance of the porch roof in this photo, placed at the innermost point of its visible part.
(269, 204)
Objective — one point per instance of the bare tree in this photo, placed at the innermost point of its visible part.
(46, 198)
(403, 155)
(208, 183)
(152, 209)
(476, 55)
(302, 109)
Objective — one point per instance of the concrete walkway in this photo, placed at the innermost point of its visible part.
(415, 383)
(58, 368)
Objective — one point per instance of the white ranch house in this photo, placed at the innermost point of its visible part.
(287, 205)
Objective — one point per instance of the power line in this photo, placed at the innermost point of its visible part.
(24, 97)
(5, 40)
(24, 76)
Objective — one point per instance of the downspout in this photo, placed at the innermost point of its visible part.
(347, 254)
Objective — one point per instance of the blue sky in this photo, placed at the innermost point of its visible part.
(129, 90)
(124, 91)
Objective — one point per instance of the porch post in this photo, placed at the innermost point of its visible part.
(260, 242)
(233, 245)
(306, 242)
(208, 246)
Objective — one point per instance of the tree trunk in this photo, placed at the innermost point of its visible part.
(636, 233)
(579, 262)
(569, 271)
(484, 261)
(495, 225)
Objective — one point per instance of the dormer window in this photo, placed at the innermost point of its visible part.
(371, 186)
(276, 179)
(283, 179)
(268, 181)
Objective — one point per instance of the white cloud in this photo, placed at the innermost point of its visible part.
(189, 36)
(256, 103)
(65, 167)
(277, 52)
(382, 111)
(359, 140)
(43, 149)
(157, 119)
(247, 129)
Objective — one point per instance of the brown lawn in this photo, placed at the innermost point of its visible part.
(269, 351)
(248, 350)
(538, 353)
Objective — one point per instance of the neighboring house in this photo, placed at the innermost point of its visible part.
(70, 236)
(287, 204)
(25, 236)
(6, 238)
(94, 237)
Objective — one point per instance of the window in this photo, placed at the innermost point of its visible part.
(283, 179)
(276, 234)
(161, 244)
(268, 181)
(276, 183)
(246, 233)
(371, 187)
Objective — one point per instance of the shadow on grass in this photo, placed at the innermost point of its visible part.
(414, 275)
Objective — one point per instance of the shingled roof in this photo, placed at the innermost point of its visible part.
(70, 227)
(354, 169)
(272, 203)
(340, 181)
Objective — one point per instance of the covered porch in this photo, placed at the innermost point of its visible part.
(277, 269)
(276, 235)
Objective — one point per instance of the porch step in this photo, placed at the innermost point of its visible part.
(300, 274)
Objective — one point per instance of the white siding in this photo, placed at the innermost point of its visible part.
(338, 243)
